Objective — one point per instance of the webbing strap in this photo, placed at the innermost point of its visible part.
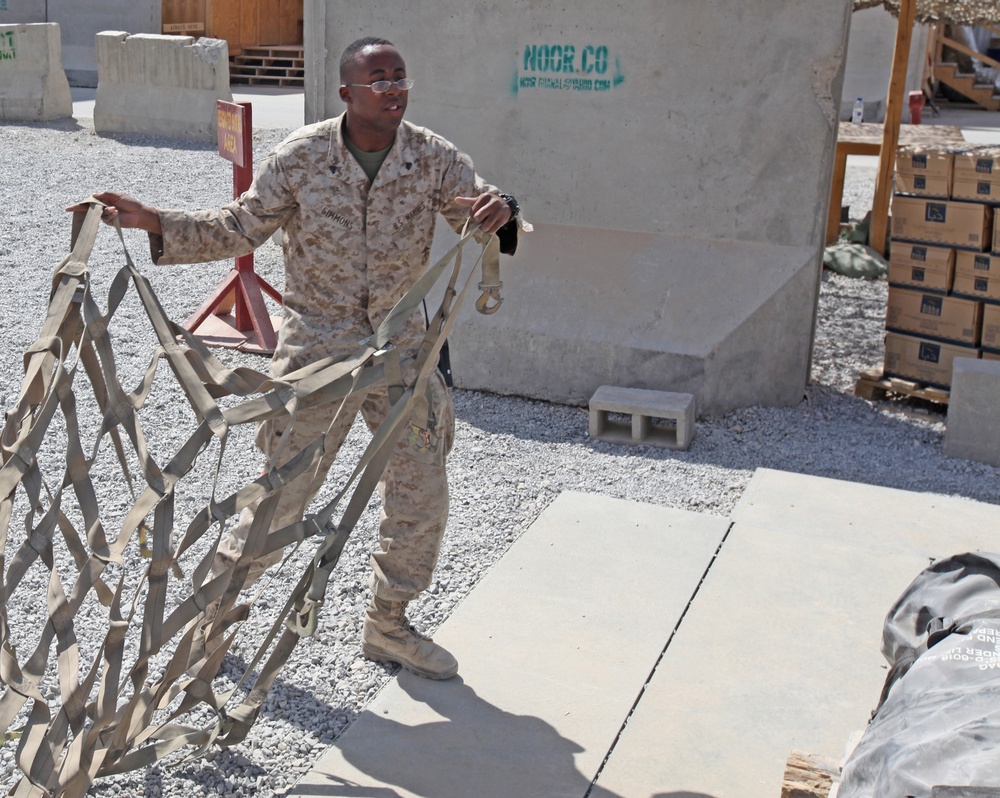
(112, 716)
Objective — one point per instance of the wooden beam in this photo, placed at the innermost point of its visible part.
(878, 238)
(982, 57)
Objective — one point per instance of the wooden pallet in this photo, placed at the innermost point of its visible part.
(875, 386)
(809, 776)
(268, 66)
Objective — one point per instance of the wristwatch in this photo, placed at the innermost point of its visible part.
(515, 207)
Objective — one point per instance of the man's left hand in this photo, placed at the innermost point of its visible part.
(489, 210)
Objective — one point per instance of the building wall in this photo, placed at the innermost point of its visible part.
(869, 62)
(80, 23)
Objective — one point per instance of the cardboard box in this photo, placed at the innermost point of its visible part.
(991, 327)
(977, 276)
(977, 174)
(921, 266)
(922, 185)
(930, 162)
(934, 316)
(996, 238)
(977, 189)
(966, 225)
(923, 361)
(977, 163)
(987, 355)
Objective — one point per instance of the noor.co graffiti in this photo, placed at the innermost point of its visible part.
(572, 67)
(6, 45)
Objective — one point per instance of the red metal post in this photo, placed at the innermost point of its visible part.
(241, 290)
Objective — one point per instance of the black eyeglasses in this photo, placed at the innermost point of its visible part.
(382, 86)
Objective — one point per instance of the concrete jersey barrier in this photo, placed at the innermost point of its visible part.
(33, 86)
(675, 166)
(164, 85)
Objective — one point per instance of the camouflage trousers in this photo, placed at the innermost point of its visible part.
(414, 487)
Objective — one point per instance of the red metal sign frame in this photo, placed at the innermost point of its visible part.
(242, 291)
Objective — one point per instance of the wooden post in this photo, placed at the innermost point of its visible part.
(878, 236)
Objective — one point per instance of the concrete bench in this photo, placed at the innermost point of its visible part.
(658, 418)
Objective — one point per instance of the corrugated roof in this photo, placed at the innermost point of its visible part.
(957, 12)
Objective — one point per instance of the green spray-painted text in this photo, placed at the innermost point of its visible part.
(562, 58)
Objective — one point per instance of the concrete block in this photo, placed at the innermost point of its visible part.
(163, 85)
(679, 205)
(646, 408)
(33, 86)
(973, 428)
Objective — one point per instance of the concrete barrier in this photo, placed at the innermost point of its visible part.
(675, 161)
(33, 86)
(164, 85)
(973, 431)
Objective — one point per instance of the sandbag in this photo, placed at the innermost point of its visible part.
(855, 260)
(938, 719)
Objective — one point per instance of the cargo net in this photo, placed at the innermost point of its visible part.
(97, 668)
(956, 12)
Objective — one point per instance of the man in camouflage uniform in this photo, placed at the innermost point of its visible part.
(356, 198)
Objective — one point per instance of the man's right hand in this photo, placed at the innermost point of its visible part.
(128, 210)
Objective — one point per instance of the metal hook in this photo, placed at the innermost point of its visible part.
(489, 292)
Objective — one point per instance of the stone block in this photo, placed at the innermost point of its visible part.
(162, 85)
(658, 418)
(33, 86)
(973, 427)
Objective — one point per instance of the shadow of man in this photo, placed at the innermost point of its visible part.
(474, 749)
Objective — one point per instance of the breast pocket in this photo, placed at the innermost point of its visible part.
(411, 225)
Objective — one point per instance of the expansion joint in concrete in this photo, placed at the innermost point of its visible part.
(659, 659)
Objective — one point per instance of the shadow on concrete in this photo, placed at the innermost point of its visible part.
(492, 752)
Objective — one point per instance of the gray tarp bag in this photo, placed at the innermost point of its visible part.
(938, 719)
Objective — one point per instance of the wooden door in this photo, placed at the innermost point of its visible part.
(291, 22)
(248, 23)
(269, 22)
(249, 30)
(224, 23)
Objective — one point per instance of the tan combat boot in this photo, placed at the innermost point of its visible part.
(388, 636)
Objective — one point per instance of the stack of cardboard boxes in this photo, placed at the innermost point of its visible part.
(944, 285)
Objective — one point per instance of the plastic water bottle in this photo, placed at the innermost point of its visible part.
(858, 116)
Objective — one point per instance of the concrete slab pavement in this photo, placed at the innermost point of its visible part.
(554, 644)
(780, 649)
(574, 630)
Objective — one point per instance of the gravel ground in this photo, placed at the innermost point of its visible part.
(511, 458)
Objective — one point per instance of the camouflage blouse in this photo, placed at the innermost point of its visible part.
(351, 250)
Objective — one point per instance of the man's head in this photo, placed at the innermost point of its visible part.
(372, 117)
